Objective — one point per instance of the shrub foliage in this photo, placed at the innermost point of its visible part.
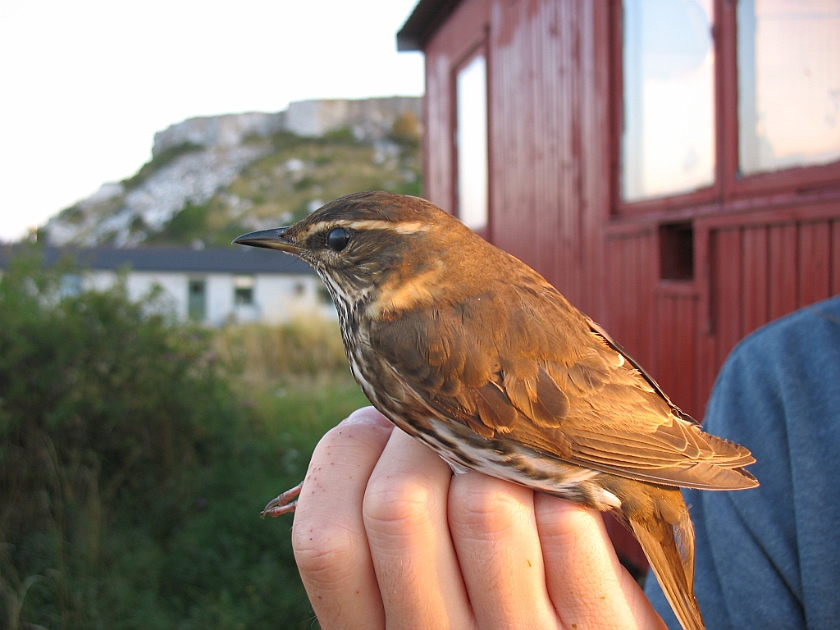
(132, 468)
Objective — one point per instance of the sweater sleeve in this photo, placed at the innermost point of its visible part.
(770, 557)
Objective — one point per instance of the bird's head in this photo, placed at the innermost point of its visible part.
(390, 251)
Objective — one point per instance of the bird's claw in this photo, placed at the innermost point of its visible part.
(282, 504)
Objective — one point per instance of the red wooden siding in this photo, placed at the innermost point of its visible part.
(551, 70)
(677, 347)
(629, 291)
(763, 246)
(764, 271)
(756, 272)
(782, 275)
(546, 151)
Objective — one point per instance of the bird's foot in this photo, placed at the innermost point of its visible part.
(282, 504)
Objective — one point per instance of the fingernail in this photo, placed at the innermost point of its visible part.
(367, 415)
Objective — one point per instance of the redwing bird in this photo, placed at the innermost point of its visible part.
(475, 354)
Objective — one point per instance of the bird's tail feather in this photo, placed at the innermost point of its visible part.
(670, 552)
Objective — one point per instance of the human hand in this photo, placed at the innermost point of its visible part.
(385, 536)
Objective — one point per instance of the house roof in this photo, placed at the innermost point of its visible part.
(239, 260)
(427, 16)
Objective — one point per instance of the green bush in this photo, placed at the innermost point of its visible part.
(133, 467)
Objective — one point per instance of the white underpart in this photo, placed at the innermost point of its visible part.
(562, 479)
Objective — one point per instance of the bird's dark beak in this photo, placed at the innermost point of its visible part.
(270, 239)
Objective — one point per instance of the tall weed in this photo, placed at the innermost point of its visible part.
(266, 354)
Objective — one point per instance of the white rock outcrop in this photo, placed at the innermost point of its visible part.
(123, 213)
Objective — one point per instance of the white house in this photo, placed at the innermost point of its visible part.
(212, 285)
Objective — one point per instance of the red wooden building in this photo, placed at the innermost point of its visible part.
(672, 166)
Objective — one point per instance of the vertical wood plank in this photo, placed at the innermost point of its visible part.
(707, 365)
(666, 343)
(756, 289)
(784, 270)
(815, 261)
(597, 141)
(644, 339)
(727, 290)
(550, 54)
(621, 274)
(649, 275)
(685, 358)
(618, 311)
(561, 83)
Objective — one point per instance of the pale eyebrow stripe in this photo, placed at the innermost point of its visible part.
(410, 227)
(402, 228)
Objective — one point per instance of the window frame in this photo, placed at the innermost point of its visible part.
(476, 46)
(790, 180)
(730, 189)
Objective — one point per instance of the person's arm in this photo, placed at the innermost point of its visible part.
(385, 536)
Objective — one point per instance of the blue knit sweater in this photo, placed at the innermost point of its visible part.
(770, 557)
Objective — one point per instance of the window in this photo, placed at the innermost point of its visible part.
(471, 143)
(788, 83)
(70, 286)
(243, 290)
(197, 300)
(676, 251)
(720, 100)
(324, 296)
(668, 141)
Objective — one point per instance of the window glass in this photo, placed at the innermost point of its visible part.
(71, 285)
(243, 290)
(243, 296)
(668, 140)
(471, 139)
(324, 295)
(197, 300)
(788, 83)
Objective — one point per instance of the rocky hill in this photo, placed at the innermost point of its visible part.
(212, 178)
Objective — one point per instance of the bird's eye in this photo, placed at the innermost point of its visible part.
(337, 239)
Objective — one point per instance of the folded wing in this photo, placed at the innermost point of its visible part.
(523, 364)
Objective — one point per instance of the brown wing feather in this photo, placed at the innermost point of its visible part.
(598, 331)
(552, 380)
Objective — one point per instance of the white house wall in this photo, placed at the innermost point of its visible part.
(219, 296)
(277, 299)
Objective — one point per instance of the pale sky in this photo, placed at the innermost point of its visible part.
(84, 85)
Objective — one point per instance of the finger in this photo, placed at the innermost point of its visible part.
(585, 580)
(328, 535)
(496, 537)
(406, 521)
